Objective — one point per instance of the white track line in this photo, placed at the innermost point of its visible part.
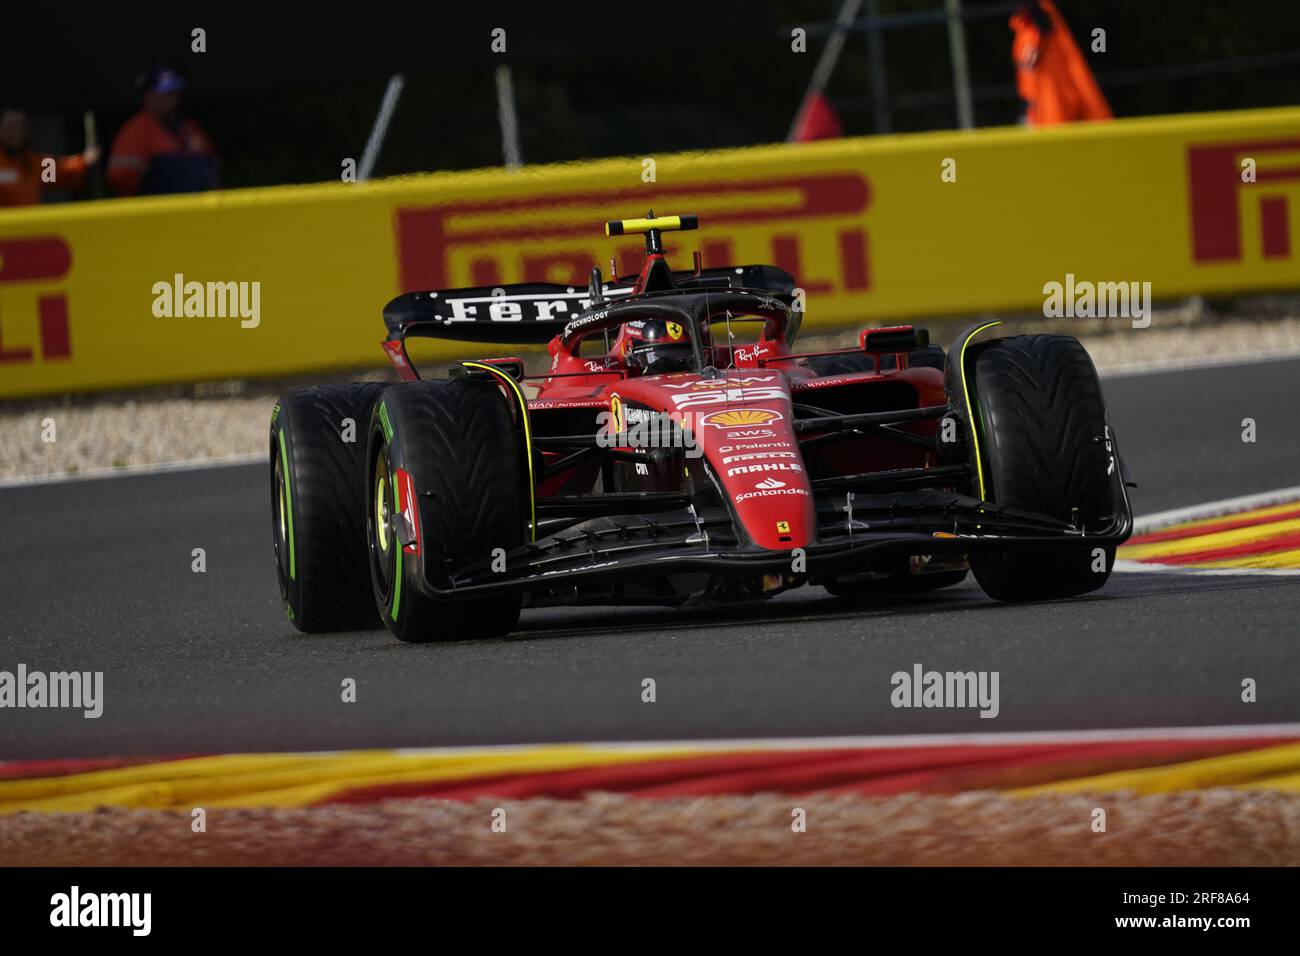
(893, 741)
(1143, 567)
(133, 471)
(1214, 509)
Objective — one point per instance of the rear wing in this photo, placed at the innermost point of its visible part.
(532, 313)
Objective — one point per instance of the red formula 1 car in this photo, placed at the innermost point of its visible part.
(680, 450)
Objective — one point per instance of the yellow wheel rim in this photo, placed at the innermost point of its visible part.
(381, 510)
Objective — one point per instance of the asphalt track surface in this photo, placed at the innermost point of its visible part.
(95, 575)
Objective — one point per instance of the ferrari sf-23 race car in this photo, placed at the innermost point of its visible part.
(680, 451)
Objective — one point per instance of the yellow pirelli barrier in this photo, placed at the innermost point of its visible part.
(265, 281)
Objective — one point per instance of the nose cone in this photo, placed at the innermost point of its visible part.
(752, 446)
(744, 424)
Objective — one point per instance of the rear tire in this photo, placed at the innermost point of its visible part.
(318, 505)
(458, 442)
(1042, 426)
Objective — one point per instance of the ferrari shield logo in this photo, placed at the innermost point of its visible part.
(674, 331)
(617, 423)
(783, 527)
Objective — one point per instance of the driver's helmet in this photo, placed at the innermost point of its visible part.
(655, 346)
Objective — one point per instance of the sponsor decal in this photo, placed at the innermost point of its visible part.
(545, 307)
(752, 445)
(538, 238)
(762, 467)
(740, 417)
(832, 380)
(728, 396)
(41, 257)
(751, 353)
(723, 382)
(758, 456)
(769, 488)
(582, 322)
(617, 419)
(1221, 198)
(783, 527)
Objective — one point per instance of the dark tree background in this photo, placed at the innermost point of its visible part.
(288, 93)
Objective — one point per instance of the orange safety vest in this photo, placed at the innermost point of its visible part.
(21, 181)
(1052, 76)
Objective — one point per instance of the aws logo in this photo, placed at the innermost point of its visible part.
(32, 262)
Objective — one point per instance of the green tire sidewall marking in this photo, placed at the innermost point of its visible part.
(383, 420)
(288, 506)
(397, 543)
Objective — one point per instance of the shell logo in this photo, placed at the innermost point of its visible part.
(740, 417)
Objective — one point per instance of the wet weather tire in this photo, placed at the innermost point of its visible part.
(458, 442)
(1042, 425)
(318, 505)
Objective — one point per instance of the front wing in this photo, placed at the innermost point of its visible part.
(853, 531)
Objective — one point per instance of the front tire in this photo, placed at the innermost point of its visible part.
(458, 443)
(1041, 420)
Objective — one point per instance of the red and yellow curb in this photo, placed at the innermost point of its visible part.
(1263, 538)
(573, 771)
